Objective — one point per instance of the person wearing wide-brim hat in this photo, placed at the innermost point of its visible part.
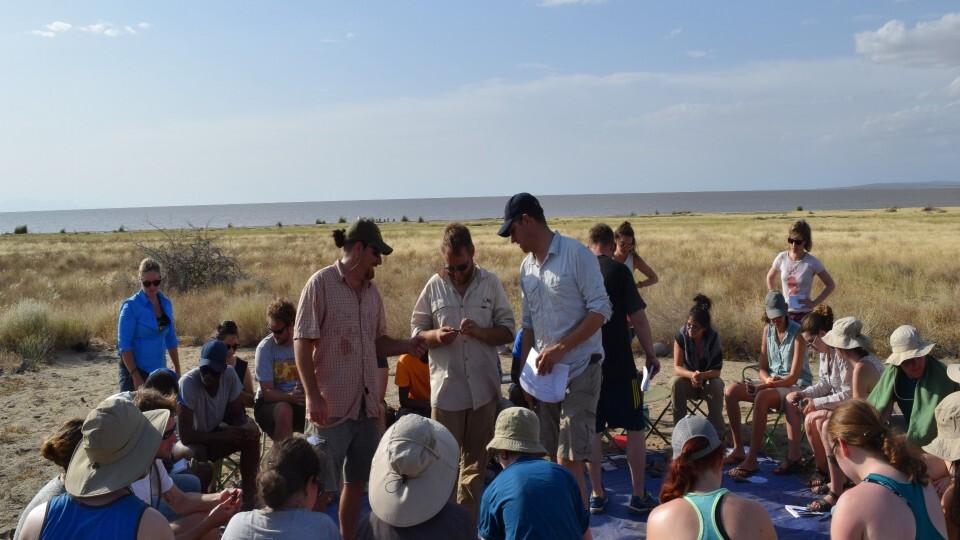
(412, 475)
(532, 497)
(915, 381)
(119, 444)
(943, 457)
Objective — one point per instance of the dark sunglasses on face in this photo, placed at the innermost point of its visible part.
(208, 372)
(233, 347)
(278, 331)
(146, 283)
(795, 241)
(459, 268)
(168, 434)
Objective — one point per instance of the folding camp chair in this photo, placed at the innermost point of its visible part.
(769, 432)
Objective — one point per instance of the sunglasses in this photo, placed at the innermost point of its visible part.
(233, 347)
(146, 283)
(278, 331)
(694, 327)
(795, 241)
(374, 251)
(459, 268)
(810, 342)
(168, 434)
(208, 372)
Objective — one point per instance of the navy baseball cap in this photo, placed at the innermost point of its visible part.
(519, 204)
(214, 355)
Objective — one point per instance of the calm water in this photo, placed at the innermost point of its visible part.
(249, 215)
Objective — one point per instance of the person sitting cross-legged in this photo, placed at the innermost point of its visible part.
(208, 392)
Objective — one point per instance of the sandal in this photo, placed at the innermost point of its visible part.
(819, 478)
(740, 474)
(822, 504)
(822, 489)
(788, 467)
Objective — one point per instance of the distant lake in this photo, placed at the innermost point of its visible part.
(299, 213)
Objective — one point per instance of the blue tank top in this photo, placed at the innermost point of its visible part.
(912, 494)
(780, 355)
(707, 506)
(67, 518)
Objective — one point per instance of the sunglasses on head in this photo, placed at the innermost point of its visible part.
(146, 283)
(459, 268)
(795, 241)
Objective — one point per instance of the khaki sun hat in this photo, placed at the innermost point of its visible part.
(946, 445)
(518, 430)
(846, 334)
(119, 444)
(905, 343)
(413, 471)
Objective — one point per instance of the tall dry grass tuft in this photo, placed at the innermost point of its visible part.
(890, 268)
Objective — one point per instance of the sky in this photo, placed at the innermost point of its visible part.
(133, 103)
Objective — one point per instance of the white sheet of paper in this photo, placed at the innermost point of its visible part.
(549, 388)
(795, 301)
(645, 382)
(179, 466)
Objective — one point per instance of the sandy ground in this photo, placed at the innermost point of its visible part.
(34, 404)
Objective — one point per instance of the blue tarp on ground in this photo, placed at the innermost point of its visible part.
(772, 491)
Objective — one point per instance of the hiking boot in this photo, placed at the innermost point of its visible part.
(642, 505)
(599, 504)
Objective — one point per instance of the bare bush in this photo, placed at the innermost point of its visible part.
(191, 260)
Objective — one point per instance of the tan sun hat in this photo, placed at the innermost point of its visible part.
(946, 445)
(413, 472)
(905, 343)
(119, 444)
(518, 430)
(846, 334)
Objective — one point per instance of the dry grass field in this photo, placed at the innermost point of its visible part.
(891, 268)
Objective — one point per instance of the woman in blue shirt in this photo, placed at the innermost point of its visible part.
(145, 331)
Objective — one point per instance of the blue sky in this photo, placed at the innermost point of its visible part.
(124, 103)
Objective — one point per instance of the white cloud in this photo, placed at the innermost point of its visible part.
(350, 35)
(555, 3)
(675, 32)
(144, 25)
(699, 54)
(928, 44)
(58, 26)
(43, 33)
(97, 28)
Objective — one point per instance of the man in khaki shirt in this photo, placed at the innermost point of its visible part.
(463, 313)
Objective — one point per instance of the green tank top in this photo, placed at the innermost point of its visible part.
(912, 494)
(707, 506)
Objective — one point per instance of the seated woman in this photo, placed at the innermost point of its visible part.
(228, 333)
(852, 371)
(697, 361)
(289, 485)
(943, 459)
(692, 503)
(57, 449)
(783, 368)
(893, 498)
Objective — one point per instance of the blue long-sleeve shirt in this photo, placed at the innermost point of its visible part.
(139, 332)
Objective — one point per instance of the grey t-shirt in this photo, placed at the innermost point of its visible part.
(281, 525)
(275, 363)
(53, 489)
(208, 410)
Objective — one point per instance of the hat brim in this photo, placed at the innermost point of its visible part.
(924, 349)
(953, 371)
(216, 366)
(844, 342)
(513, 445)
(381, 246)
(413, 500)
(505, 228)
(85, 478)
(774, 313)
(947, 449)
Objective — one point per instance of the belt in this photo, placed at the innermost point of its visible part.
(595, 357)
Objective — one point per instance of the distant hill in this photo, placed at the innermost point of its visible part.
(905, 185)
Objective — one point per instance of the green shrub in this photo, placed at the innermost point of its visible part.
(20, 229)
(27, 331)
(279, 225)
(799, 208)
(342, 220)
(404, 218)
(63, 231)
(420, 220)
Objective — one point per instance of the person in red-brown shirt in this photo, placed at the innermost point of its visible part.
(339, 331)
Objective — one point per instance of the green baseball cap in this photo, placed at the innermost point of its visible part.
(366, 231)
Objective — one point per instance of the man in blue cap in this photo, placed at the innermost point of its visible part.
(210, 393)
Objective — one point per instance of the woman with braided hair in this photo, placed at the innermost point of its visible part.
(893, 497)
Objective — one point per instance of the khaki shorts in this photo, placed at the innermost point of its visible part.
(568, 428)
(349, 448)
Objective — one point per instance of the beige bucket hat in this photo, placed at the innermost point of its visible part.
(946, 445)
(846, 334)
(518, 430)
(119, 444)
(905, 343)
